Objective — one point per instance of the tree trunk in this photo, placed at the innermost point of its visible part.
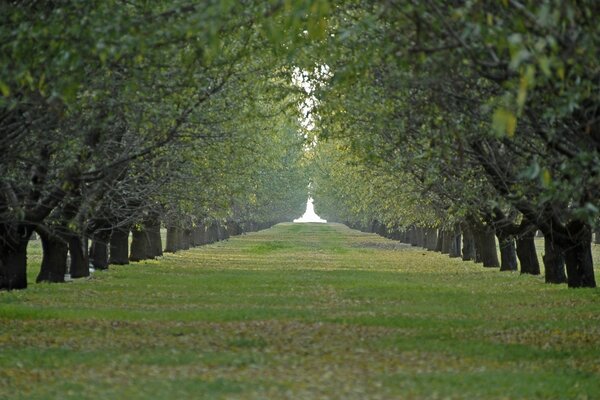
(99, 250)
(527, 253)
(185, 238)
(119, 246)
(54, 259)
(440, 241)
(455, 243)
(554, 261)
(173, 239)
(13, 257)
(508, 254)
(140, 245)
(152, 229)
(430, 239)
(80, 264)
(578, 258)
(485, 246)
(597, 236)
(446, 241)
(468, 245)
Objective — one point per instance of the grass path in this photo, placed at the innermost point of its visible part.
(300, 312)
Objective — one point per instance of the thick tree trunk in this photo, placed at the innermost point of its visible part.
(508, 254)
(455, 237)
(80, 264)
(152, 229)
(119, 246)
(554, 261)
(54, 259)
(99, 250)
(485, 246)
(527, 253)
(173, 239)
(578, 259)
(468, 245)
(430, 239)
(140, 245)
(13, 257)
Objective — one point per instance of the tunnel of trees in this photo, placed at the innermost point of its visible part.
(445, 124)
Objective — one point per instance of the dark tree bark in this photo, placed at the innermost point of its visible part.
(597, 236)
(554, 261)
(54, 259)
(446, 241)
(80, 264)
(99, 250)
(508, 254)
(455, 237)
(527, 253)
(185, 238)
(221, 233)
(13, 257)
(173, 239)
(119, 246)
(140, 245)
(485, 246)
(578, 257)
(152, 229)
(430, 239)
(468, 248)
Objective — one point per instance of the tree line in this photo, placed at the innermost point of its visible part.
(119, 117)
(472, 120)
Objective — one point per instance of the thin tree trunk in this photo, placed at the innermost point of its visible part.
(527, 253)
(54, 259)
(446, 241)
(80, 264)
(597, 236)
(440, 241)
(119, 246)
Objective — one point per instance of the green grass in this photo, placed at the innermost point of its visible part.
(300, 312)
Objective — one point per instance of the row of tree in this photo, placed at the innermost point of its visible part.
(476, 119)
(119, 117)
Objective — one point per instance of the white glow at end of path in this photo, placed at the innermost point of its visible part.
(309, 214)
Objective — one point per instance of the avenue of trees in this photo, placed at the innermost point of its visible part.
(119, 117)
(447, 124)
(470, 120)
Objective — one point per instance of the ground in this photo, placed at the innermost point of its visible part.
(300, 311)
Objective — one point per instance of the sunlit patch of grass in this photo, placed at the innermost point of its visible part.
(300, 311)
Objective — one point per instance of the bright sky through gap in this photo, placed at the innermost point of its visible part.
(309, 214)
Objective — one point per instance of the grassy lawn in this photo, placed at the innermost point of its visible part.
(300, 312)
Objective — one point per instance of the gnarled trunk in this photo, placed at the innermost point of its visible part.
(54, 258)
(527, 253)
(80, 265)
(119, 246)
